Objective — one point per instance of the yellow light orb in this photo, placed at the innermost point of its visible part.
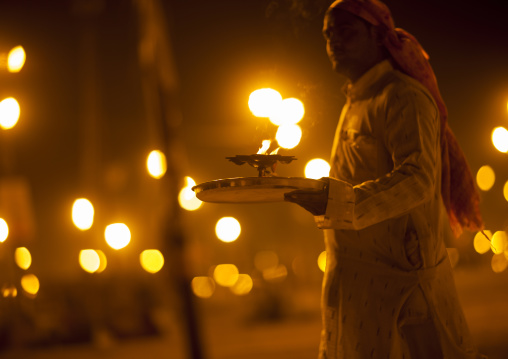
(243, 285)
(30, 284)
(499, 242)
(117, 235)
(82, 214)
(203, 287)
(23, 258)
(485, 178)
(151, 260)
(103, 261)
(499, 263)
(226, 275)
(89, 260)
(16, 59)
(266, 259)
(317, 168)
(4, 230)
(263, 102)
(288, 136)
(500, 139)
(9, 113)
(289, 112)
(156, 164)
(228, 229)
(481, 243)
(9, 291)
(505, 191)
(322, 261)
(187, 198)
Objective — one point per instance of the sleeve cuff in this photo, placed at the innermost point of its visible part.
(340, 207)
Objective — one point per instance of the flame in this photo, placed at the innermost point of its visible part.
(264, 147)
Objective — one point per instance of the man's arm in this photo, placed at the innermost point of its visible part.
(412, 137)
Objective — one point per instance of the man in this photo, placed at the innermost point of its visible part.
(388, 289)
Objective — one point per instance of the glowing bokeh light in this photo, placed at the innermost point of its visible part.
(275, 274)
(289, 112)
(266, 259)
(156, 164)
(103, 261)
(92, 261)
(243, 285)
(228, 229)
(151, 260)
(288, 136)
(226, 275)
(505, 191)
(499, 242)
(203, 287)
(481, 243)
(82, 214)
(30, 284)
(187, 198)
(322, 261)
(117, 235)
(89, 260)
(16, 59)
(23, 258)
(9, 113)
(4, 230)
(9, 291)
(317, 168)
(485, 178)
(263, 102)
(500, 139)
(499, 262)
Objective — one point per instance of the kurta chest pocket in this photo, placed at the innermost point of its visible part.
(361, 152)
(361, 142)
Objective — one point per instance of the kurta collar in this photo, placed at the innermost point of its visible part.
(355, 90)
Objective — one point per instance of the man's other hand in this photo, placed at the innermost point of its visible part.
(313, 201)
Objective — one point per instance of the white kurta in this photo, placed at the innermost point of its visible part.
(386, 261)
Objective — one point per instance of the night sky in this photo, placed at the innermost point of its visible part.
(224, 50)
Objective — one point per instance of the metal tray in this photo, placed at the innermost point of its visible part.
(253, 189)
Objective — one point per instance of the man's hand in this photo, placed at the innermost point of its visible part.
(313, 201)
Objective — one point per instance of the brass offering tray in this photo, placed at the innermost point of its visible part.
(264, 188)
(254, 189)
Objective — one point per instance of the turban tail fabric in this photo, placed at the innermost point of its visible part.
(458, 190)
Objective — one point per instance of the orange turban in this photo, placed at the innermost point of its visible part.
(458, 190)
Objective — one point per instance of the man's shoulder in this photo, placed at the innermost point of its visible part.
(396, 84)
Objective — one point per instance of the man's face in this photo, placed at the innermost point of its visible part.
(350, 43)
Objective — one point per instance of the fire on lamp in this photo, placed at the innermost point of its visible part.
(265, 163)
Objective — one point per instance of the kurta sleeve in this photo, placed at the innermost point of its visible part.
(411, 137)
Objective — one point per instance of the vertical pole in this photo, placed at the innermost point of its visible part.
(160, 87)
